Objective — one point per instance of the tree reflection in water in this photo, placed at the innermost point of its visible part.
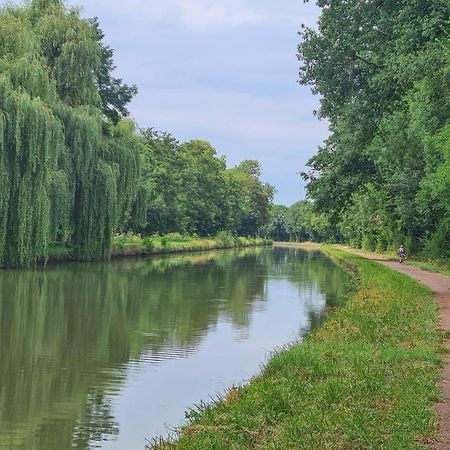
(67, 333)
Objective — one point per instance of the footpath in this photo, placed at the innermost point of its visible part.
(440, 285)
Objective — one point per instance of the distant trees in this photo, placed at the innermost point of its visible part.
(300, 222)
(74, 170)
(186, 187)
(382, 70)
(248, 199)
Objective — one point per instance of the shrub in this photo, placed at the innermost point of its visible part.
(225, 239)
(149, 244)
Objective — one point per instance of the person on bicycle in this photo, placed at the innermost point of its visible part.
(401, 253)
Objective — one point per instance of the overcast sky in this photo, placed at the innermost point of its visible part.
(221, 70)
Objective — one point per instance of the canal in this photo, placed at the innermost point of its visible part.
(105, 355)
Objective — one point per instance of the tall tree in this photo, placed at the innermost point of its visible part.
(61, 177)
(114, 93)
(382, 70)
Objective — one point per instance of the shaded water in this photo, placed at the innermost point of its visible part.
(104, 355)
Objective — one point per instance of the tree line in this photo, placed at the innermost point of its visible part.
(74, 169)
(382, 70)
(299, 223)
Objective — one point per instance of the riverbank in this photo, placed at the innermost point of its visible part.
(367, 378)
(133, 245)
(128, 246)
(441, 287)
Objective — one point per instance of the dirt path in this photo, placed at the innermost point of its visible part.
(440, 284)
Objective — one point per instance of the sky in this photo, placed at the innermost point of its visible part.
(221, 70)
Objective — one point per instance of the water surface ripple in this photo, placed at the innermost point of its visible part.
(106, 355)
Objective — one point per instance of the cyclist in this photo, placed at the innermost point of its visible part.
(401, 253)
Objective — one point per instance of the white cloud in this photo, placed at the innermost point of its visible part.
(236, 115)
(199, 15)
(210, 14)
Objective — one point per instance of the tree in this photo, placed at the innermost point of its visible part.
(202, 187)
(382, 69)
(255, 197)
(62, 179)
(277, 227)
(114, 93)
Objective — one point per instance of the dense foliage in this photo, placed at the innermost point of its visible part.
(186, 187)
(300, 222)
(382, 69)
(73, 170)
(62, 177)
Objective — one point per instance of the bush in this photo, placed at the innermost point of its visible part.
(225, 239)
(149, 244)
(176, 237)
(437, 246)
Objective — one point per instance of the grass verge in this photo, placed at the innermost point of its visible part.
(173, 243)
(366, 379)
(129, 245)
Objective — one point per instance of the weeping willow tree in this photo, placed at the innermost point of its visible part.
(122, 152)
(63, 179)
(31, 137)
(4, 185)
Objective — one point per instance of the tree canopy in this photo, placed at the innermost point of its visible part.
(382, 70)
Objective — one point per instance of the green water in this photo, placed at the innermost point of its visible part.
(106, 355)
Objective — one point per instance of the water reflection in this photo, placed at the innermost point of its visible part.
(71, 335)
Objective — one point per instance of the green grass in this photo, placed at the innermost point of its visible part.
(366, 379)
(176, 242)
(135, 245)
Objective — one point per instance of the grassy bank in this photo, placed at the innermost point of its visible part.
(365, 379)
(134, 245)
(173, 243)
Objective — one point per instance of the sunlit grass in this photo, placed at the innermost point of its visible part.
(366, 379)
(134, 245)
(174, 242)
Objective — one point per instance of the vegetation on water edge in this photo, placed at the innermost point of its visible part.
(175, 242)
(134, 245)
(367, 378)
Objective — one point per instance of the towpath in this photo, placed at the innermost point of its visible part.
(440, 284)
